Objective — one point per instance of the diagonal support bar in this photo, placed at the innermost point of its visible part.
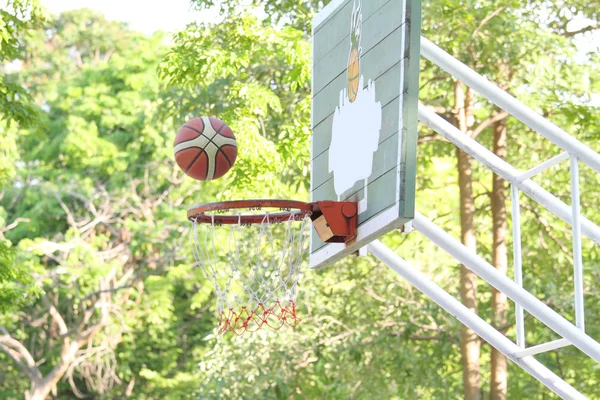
(487, 272)
(542, 348)
(473, 321)
(505, 170)
(544, 166)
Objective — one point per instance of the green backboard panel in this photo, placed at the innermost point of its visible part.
(364, 115)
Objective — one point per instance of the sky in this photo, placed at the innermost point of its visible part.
(146, 16)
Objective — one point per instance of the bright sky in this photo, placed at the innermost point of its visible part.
(142, 15)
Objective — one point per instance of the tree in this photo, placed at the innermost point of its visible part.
(498, 379)
(469, 344)
(17, 20)
(107, 237)
(95, 217)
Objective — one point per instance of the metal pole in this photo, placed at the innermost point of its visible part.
(507, 102)
(577, 256)
(544, 347)
(518, 262)
(473, 321)
(519, 295)
(505, 170)
(544, 166)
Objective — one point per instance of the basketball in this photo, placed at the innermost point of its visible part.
(205, 148)
(353, 72)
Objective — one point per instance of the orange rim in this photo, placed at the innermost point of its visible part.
(284, 210)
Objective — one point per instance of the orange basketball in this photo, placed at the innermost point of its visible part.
(353, 72)
(205, 148)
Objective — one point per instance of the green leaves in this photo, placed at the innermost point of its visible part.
(257, 79)
(17, 287)
(104, 198)
(17, 19)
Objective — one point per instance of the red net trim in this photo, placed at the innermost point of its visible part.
(244, 320)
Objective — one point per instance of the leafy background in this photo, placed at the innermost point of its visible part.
(97, 283)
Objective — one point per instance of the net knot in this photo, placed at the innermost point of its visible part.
(274, 317)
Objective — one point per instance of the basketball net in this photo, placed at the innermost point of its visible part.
(254, 269)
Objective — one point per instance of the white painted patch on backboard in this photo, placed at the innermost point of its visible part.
(354, 137)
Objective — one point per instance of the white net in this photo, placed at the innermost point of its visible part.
(254, 268)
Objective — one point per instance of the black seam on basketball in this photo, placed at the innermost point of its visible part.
(191, 147)
(194, 160)
(202, 134)
(217, 132)
(193, 129)
(227, 158)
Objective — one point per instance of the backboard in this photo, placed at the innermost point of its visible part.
(364, 115)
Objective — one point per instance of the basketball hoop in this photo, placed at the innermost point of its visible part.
(252, 250)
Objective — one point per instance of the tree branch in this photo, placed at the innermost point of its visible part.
(58, 319)
(434, 137)
(20, 355)
(424, 337)
(489, 122)
(70, 218)
(111, 290)
(582, 30)
(487, 19)
(85, 336)
(14, 224)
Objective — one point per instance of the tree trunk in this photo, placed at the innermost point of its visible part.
(41, 389)
(469, 342)
(38, 393)
(500, 261)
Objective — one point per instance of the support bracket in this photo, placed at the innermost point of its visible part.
(335, 221)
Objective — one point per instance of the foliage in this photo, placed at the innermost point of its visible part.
(17, 20)
(92, 185)
(294, 13)
(257, 79)
(107, 241)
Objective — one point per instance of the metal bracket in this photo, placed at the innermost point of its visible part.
(335, 221)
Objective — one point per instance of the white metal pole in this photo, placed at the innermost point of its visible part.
(519, 295)
(473, 321)
(577, 256)
(544, 347)
(507, 102)
(518, 262)
(505, 170)
(564, 156)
